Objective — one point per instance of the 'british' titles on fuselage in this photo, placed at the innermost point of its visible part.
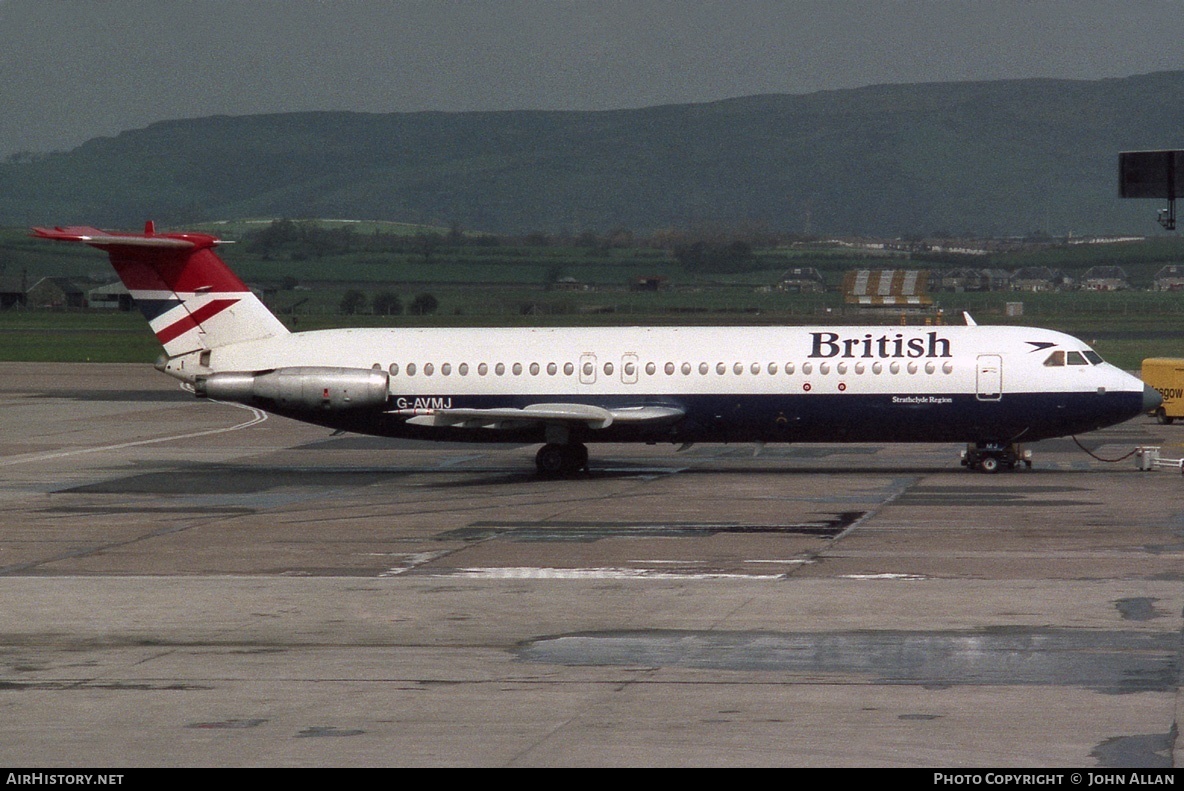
(831, 344)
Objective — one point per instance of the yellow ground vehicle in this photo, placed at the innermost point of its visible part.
(1166, 374)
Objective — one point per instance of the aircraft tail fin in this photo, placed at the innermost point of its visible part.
(188, 294)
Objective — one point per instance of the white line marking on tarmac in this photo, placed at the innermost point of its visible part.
(258, 417)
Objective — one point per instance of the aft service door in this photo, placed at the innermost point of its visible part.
(990, 377)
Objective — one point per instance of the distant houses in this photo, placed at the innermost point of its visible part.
(1169, 278)
(1040, 278)
(55, 292)
(113, 296)
(12, 292)
(1105, 278)
(802, 280)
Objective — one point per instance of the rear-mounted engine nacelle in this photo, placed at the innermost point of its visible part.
(306, 388)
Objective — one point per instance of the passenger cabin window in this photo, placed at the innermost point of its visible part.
(411, 369)
(394, 369)
(1055, 359)
(1077, 358)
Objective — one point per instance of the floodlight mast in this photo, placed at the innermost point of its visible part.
(1167, 217)
(1152, 174)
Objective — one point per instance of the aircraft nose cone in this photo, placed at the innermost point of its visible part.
(1151, 398)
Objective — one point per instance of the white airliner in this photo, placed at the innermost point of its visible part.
(990, 387)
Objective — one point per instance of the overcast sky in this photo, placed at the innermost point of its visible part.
(71, 70)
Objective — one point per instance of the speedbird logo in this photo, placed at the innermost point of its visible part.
(831, 344)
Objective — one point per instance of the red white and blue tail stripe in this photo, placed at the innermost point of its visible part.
(190, 297)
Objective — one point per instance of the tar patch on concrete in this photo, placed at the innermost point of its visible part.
(201, 480)
(325, 730)
(117, 395)
(366, 443)
(1140, 608)
(1145, 751)
(186, 510)
(586, 532)
(116, 686)
(1113, 662)
(962, 496)
(226, 724)
(797, 452)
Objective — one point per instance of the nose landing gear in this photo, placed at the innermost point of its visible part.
(991, 457)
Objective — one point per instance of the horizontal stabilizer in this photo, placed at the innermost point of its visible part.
(101, 239)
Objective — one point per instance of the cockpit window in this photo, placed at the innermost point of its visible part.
(1057, 358)
(1093, 357)
(1077, 358)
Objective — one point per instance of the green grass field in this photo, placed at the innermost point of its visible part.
(1144, 326)
(515, 283)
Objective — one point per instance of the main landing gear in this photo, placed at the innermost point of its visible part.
(556, 460)
(992, 457)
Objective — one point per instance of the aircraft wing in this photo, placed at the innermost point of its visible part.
(593, 417)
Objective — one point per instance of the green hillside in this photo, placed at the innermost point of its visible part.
(1005, 157)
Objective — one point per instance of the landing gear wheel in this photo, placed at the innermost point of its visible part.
(1162, 418)
(559, 461)
(989, 464)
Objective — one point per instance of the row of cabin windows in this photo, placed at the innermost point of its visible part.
(630, 368)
